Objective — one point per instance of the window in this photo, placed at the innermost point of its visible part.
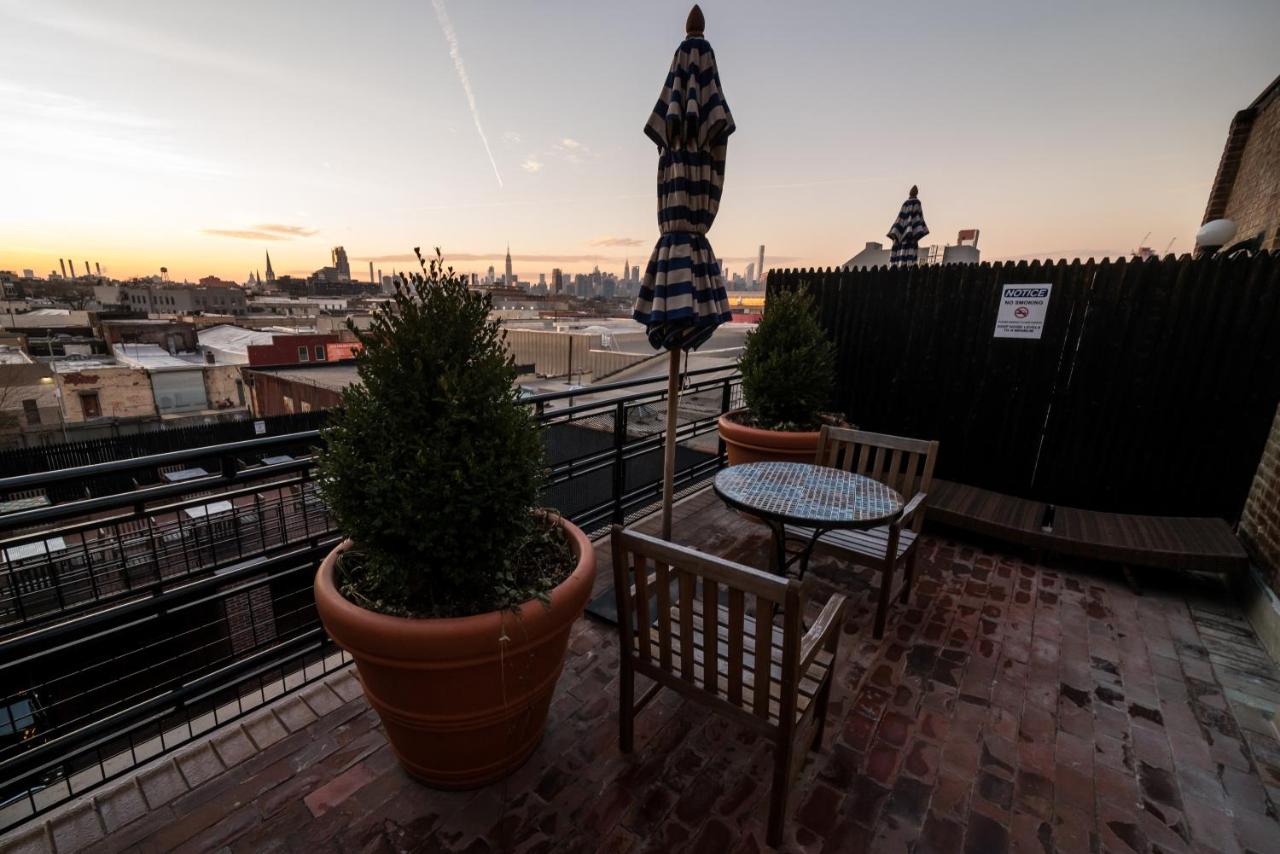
(90, 405)
(240, 391)
(303, 355)
(319, 352)
(288, 404)
(32, 411)
(306, 406)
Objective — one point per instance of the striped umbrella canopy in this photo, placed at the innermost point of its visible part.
(907, 230)
(682, 298)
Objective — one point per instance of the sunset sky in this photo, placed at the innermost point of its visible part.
(199, 135)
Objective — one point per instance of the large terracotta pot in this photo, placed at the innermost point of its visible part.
(752, 445)
(460, 707)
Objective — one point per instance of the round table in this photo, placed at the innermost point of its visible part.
(816, 497)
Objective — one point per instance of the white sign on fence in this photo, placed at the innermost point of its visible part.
(260, 428)
(1022, 311)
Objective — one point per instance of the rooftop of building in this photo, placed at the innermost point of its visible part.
(153, 357)
(1015, 706)
(332, 377)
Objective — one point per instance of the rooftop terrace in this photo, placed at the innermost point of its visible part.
(1011, 706)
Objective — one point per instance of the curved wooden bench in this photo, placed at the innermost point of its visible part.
(1196, 544)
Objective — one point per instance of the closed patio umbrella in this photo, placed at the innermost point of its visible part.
(682, 298)
(907, 230)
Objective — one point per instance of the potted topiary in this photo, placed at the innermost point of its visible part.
(788, 372)
(452, 593)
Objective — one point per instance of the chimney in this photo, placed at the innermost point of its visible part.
(63, 265)
(87, 271)
(97, 268)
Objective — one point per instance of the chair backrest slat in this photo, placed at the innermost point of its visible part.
(642, 606)
(710, 633)
(662, 582)
(737, 619)
(903, 464)
(686, 623)
(695, 638)
(763, 657)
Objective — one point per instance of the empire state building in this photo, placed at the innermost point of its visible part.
(508, 280)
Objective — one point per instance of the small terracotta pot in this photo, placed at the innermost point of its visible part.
(752, 445)
(461, 707)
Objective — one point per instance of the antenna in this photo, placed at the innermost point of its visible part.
(1170, 246)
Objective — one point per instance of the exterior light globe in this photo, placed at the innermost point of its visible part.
(1216, 233)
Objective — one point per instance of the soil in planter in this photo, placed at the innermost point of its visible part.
(829, 419)
(537, 566)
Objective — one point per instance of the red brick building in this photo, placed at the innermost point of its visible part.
(297, 350)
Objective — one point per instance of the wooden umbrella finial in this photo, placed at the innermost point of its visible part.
(915, 191)
(696, 24)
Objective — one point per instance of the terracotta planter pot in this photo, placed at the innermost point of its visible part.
(751, 445)
(460, 708)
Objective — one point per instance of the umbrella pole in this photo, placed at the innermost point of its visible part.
(669, 459)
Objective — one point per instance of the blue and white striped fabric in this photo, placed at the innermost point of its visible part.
(682, 298)
(906, 232)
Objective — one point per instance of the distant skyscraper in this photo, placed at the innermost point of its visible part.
(341, 264)
(635, 273)
(371, 280)
(760, 262)
(507, 279)
(489, 277)
(751, 274)
(626, 270)
(271, 274)
(557, 280)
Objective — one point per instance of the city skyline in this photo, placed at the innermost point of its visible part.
(146, 135)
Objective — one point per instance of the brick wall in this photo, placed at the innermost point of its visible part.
(122, 392)
(1260, 522)
(1247, 187)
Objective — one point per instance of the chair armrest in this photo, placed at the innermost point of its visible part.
(908, 514)
(820, 632)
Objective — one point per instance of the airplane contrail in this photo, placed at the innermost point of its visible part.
(452, 38)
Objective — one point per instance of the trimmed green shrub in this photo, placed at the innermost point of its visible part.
(788, 366)
(431, 464)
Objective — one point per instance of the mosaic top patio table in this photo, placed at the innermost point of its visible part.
(811, 496)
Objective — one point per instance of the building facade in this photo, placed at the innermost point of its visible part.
(1246, 189)
(171, 299)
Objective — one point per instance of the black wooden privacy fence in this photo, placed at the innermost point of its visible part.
(1152, 388)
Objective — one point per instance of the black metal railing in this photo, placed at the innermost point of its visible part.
(132, 623)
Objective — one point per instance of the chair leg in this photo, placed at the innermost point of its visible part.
(626, 709)
(909, 576)
(779, 793)
(886, 592)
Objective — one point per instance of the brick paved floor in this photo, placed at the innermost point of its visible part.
(1010, 707)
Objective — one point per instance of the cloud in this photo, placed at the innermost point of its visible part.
(451, 37)
(265, 231)
(289, 230)
(165, 45)
(532, 164)
(452, 257)
(571, 150)
(511, 137)
(616, 241)
(243, 233)
(769, 260)
(56, 127)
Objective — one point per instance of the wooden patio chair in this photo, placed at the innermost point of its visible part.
(675, 630)
(905, 466)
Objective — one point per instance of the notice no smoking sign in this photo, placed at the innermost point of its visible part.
(1022, 311)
